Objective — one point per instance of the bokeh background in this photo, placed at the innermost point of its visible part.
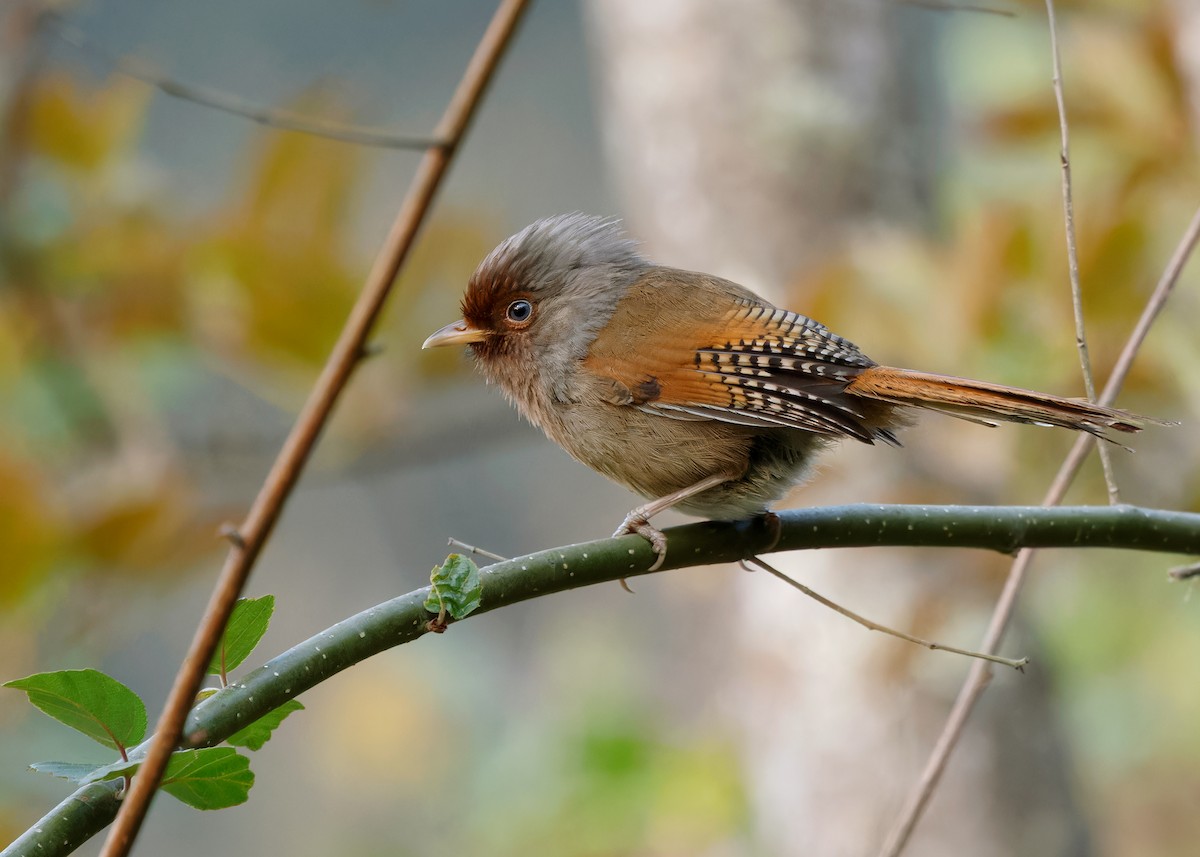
(172, 277)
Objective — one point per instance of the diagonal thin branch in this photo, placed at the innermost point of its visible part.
(949, 6)
(980, 674)
(287, 120)
(312, 419)
(1085, 360)
(1018, 664)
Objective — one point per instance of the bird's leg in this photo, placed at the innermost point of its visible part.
(638, 520)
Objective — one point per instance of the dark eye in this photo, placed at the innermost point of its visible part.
(519, 312)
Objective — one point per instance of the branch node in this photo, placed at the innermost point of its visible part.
(371, 349)
(1185, 572)
(774, 530)
(233, 535)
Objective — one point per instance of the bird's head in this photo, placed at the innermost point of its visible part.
(535, 304)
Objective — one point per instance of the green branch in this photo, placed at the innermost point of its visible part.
(404, 619)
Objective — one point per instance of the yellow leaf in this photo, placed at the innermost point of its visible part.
(83, 127)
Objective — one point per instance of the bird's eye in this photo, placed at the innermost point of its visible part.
(519, 312)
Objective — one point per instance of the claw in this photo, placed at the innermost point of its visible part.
(638, 521)
(635, 524)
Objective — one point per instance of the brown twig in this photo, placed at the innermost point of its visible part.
(299, 444)
(1085, 360)
(455, 543)
(1018, 664)
(981, 674)
(947, 6)
(226, 102)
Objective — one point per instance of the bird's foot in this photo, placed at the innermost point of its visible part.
(635, 523)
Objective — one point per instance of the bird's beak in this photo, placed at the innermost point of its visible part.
(455, 333)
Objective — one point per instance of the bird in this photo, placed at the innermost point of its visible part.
(689, 389)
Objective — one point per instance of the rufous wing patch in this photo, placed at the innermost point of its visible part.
(750, 363)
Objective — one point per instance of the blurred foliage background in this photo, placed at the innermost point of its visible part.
(171, 279)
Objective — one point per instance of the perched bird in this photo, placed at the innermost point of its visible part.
(689, 389)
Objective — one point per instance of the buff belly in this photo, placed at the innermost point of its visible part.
(654, 456)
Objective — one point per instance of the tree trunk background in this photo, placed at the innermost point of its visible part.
(752, 139)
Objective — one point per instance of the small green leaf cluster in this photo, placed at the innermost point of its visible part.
(108, 712)
(455, 589)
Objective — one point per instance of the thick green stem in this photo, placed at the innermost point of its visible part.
(403, 619)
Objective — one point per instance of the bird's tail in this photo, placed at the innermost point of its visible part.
(982, 402)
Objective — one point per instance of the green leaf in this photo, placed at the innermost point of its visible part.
(89, 701)
(246, 626)
(259, 732)
(456, 587)
(75, 771)
(210, 778)
(119, 768)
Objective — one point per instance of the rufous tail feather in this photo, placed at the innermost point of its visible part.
(980, 401)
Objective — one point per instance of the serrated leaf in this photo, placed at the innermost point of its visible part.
(259, 732)
(210, 778)
(246, 626)
(456, 587)
(119, 768)
(74, 771)
(90, 702)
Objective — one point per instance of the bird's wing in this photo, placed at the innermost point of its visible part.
(744, 362)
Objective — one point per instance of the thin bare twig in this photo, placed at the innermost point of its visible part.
(1017, 664)
(1085, 360)
(455, 543)
(948, 6)
(1185, 572)
(300, 441)
(228, 103)
(980, 675)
